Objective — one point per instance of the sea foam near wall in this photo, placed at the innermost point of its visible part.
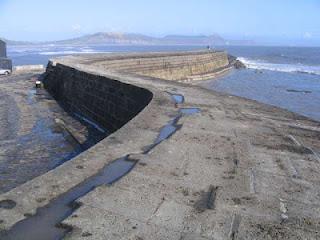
(289, 68)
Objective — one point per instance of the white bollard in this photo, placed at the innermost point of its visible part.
(38, 84)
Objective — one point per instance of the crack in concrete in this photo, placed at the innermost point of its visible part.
(235, 223)
(252, 181)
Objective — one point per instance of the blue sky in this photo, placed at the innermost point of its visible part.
(273, 21)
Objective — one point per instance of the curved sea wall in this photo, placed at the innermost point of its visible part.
(175, 67)
(112, 103)
(192, 65)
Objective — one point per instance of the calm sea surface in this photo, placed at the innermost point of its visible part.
(287, 77)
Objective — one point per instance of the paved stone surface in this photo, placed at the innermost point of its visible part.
(238, 169)
(32, 142)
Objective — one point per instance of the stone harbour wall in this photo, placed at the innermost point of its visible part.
(112, 103)
(3, 49)
(169, 66)
(108, 102)
(5, 63)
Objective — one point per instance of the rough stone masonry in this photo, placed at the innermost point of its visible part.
(5, 63)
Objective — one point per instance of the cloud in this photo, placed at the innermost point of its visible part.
(307, 35)
(76, 27)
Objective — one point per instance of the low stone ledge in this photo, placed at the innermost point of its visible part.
(28, 68)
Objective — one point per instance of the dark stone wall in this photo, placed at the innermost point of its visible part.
(5, 63)
(3, 49)
(108, 102)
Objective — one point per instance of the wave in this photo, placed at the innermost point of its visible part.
(289, 68)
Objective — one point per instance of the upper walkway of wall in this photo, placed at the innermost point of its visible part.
(169, 66)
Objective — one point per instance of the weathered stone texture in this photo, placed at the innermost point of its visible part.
(3, 51)
(179, 66)
(112, 103)
(5, 63)
(106, 101)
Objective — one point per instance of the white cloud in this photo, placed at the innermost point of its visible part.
(76, 27)
(307, 35)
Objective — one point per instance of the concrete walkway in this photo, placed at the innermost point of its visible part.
(236, 170)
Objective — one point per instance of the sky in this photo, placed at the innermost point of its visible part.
(266, 21)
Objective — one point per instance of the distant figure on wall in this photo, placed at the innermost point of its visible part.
(210, 48)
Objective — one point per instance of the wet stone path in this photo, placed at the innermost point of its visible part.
(50, 217)
(36, 135)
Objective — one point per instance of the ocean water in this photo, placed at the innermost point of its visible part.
(40, 54)
(287, 77)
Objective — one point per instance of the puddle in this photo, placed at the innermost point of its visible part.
(35, 93)
(40, 226)
(177, 98)
(30, 97)
(165, 132)
(7, 204)
(189, 111)
(92, 123)
(41, 149)
(31, 141)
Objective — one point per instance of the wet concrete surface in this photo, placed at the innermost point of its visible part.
(32, 141)
(177, 98)
(50, 216)
(189, 111)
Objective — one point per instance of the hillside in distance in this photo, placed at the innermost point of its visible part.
(140, 39)
(14, 43)
(105, 38)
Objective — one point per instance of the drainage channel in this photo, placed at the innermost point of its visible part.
(46, 223)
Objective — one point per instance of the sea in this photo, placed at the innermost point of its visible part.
(286, 77)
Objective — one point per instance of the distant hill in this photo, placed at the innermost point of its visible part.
(133, 39)
(13, 43)
(110, 38)
(139, 39)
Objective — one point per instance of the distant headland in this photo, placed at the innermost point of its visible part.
(101, 38)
